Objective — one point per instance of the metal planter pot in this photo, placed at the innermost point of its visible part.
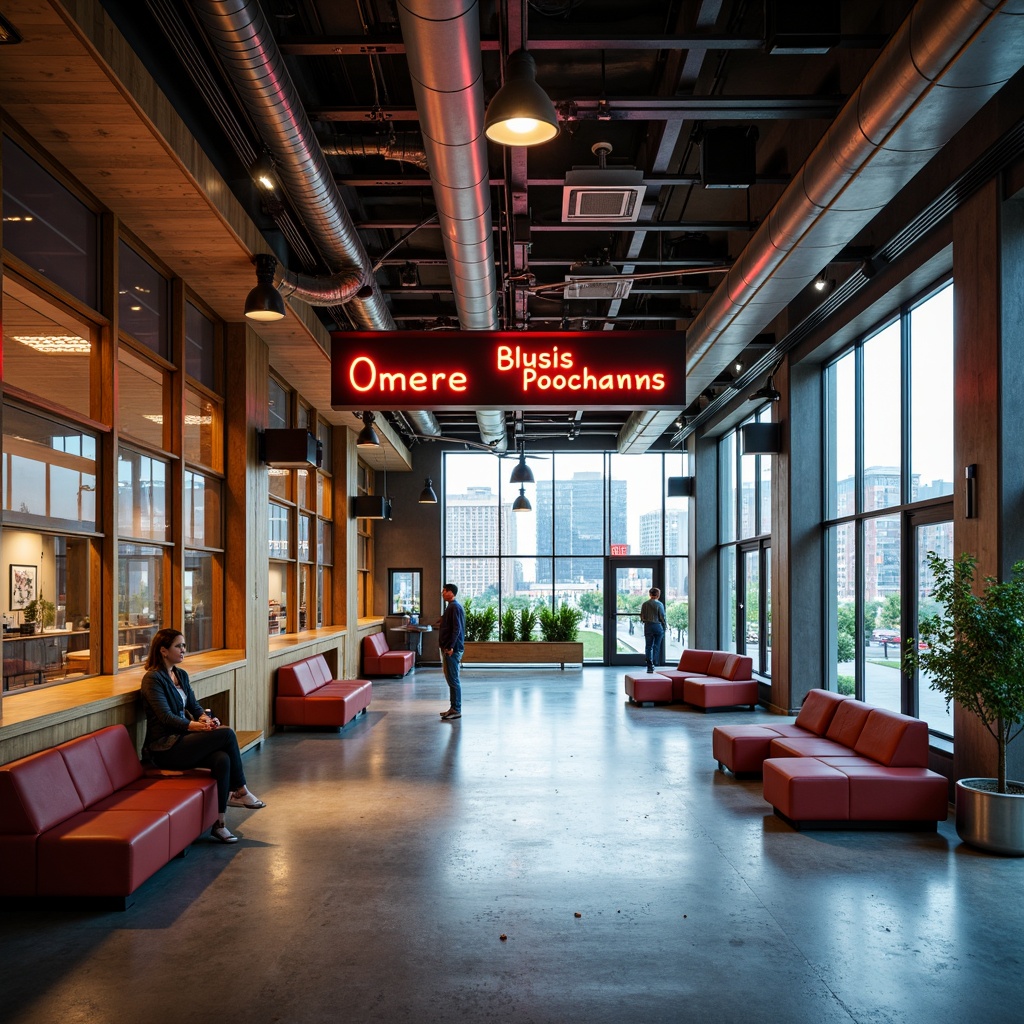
(989, 820)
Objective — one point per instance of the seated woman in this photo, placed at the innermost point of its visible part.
(179, 733)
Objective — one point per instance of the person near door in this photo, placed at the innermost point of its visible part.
(652, 615)
(450, 639)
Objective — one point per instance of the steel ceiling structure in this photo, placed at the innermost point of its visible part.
(768, 137)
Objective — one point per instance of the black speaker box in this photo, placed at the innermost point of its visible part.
(371, 506)
(761, 439)
(679, 487)
(728, 157)
(291, 449)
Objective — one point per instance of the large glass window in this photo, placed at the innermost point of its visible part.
(48, 228)
(890, 394)
(47, 352)
(141, 496)
(143, 400)
(143, 301)
(200, 347)
(584, 509)
(49, 473)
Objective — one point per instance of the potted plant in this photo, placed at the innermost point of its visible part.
(41, 611)
(974, 654)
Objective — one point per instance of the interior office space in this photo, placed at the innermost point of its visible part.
(875, 163)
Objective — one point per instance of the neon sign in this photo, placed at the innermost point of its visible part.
(508, 370)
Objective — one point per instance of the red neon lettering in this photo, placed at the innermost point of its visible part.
(352, 374)
(435, 377)
(457, 380)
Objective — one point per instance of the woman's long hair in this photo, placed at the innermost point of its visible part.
(164, 638)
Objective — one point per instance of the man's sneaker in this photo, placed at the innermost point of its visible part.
(449, 715)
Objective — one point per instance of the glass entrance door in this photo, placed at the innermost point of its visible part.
(627, 586)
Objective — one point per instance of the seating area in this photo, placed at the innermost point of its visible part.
(308, 695)
(841, 763)
(380, 660)
(704, 679)
(83, 819)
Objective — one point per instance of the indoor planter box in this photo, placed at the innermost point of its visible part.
(523, 652)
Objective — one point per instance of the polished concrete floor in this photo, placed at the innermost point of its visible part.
(632, 883)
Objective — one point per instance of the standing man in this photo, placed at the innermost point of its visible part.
(652, 615)
(450, 639)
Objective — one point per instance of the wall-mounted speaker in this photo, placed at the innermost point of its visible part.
(679, 487)
(371, 506)
(290, 449)
(761, 439)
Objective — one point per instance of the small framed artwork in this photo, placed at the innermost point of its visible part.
(23, 586)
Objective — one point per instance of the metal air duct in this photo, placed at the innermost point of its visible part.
(442, 42)
(246, 47)
(942, 65)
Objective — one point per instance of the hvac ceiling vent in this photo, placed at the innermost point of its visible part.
(587, 281)
(599, 194)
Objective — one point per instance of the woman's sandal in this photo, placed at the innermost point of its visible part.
(221, 834)
(250, 802)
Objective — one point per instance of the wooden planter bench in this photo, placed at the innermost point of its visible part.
(529, 652)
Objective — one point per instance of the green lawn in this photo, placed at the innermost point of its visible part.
(593, 646)
(885, 664)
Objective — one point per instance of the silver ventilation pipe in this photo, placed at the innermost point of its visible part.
(442, 44)
(403, 147)
(942, 65)
(246, 47)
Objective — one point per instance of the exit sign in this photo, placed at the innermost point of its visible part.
(619, 550)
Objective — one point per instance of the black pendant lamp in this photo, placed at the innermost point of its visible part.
(521, 474)
(427, 495)
(522, 503)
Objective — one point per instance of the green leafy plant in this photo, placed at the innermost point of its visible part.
(527, 624)
(479, 625)
(974, 651)
(560, 626)
(42, 611)
(508, 625)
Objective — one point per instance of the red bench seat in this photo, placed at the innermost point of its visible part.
(307, 695)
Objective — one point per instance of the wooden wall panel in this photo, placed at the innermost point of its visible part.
(976, 417)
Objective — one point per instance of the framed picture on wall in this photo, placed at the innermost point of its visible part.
(23, 586)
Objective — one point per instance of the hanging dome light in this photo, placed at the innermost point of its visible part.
(521, 474)
(264, 303)
(521, 113)
(368, 436)
(427, 495)
(522, 503)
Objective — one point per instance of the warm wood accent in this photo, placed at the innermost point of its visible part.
(36, 719)
(530, 652)
(245, 516)
(977, 434)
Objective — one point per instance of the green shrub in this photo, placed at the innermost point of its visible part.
(846, 685)
(561, 626)
(508, 625)
(527, 624)
(479, 625)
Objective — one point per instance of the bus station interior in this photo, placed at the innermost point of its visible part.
(819, 234)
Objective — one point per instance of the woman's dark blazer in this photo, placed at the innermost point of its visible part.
(166, 720)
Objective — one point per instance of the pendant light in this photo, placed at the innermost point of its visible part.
(427, 495)
(522, 503)
(264, 303)
(368, 436)
(521, 114)
(521, 473)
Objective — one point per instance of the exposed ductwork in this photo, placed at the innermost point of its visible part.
(942, 65)
(404, 147)
(442, 42)
(246, 47)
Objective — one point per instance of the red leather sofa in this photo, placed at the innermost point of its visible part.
(705, 679)
(83, 820)
(307, 695)
(844, 762)
(380, 660)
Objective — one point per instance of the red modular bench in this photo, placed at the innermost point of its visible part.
(380, 660)
(307, 695)
(83, 820)
(846, 763)
(705, 679)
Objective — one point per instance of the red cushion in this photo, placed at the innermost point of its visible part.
(694, 661)
(319, 668)
(848, 721)
(742, 748)
(808, 746)
(896, 794)
(804, 789)
(739, 667)
(119, 755)
(817, 710)
(108, 853)
(719, 693)
(36, 793)
(894, 739)
(648, 688)
(718, 663)
(184, 810)
(86, 768)
(197, 781)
